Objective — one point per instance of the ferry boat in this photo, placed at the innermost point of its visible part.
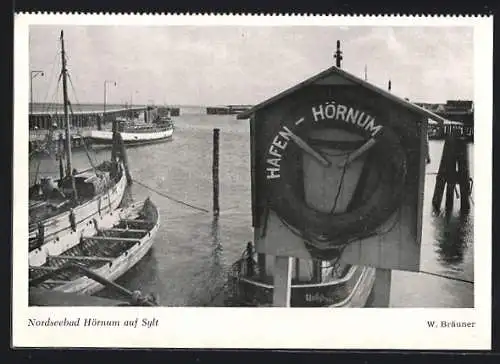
(134, 133)
(60, 210)
(314, 284)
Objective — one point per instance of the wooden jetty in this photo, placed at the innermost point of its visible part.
(460, 119)
(83, 122)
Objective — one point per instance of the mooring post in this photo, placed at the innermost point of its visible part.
(123, 154)
(215, 172)
(282, 281)
(451, 172)
(444, 172)
(381, 291)
(463, 177)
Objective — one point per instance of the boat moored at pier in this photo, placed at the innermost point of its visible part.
(60, 209)
(132, 134)
(314, 284)
(56, 221)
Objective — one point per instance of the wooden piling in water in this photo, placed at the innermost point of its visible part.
(463, 175)
(124, 157)
(215, 172)
(454, 154)
(441, 175)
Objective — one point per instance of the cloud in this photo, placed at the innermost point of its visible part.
(230, 64)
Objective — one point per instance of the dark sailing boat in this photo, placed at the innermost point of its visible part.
(78, 203)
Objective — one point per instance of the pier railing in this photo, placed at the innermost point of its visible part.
(451, 129)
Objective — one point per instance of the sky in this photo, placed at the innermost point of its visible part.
(219, 65)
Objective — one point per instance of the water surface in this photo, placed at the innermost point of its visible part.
(187, 265)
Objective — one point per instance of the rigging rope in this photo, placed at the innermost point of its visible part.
(169, 197)
(446, 277)
(108, 184)
(92, 163)
(50, 81)
(54, 96)
(73, 89)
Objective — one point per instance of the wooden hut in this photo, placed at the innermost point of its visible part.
(301, 142)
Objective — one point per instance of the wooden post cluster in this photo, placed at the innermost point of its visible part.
(453, 170)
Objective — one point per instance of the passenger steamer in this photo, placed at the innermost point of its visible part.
(134, 133)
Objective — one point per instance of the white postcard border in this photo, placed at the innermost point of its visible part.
(365, 328)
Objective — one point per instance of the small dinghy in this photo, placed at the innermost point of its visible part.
(315, 283)
(109, 253)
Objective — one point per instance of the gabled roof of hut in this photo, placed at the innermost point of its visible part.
(335, 75)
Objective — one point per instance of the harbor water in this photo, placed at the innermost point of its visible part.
(192, 253)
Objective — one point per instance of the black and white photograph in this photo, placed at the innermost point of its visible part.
(245, 165)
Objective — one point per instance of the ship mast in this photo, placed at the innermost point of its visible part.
(64, 71)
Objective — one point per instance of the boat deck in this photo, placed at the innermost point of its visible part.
(41, 208)
(94, 252)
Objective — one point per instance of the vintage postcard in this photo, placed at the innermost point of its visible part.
(252, 182)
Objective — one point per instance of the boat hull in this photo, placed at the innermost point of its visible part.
(63, 242)
(115, 268)
(44, 297)
(105, 138)
(59, 234)
(353, 290)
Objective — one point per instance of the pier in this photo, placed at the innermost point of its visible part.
(88, 117)
(460, 114)
(227, 109)
(43, 120)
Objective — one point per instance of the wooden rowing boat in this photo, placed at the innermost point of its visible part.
(47, 297)
(109, 253)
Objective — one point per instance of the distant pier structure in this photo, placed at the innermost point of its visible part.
(87, 117)
(227, 109)
(461, 116)
(168, 111)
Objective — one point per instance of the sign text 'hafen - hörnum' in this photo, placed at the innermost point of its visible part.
(328, 111)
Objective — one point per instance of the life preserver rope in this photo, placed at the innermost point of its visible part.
(377, 195)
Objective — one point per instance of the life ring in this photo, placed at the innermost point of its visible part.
(372, 203)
